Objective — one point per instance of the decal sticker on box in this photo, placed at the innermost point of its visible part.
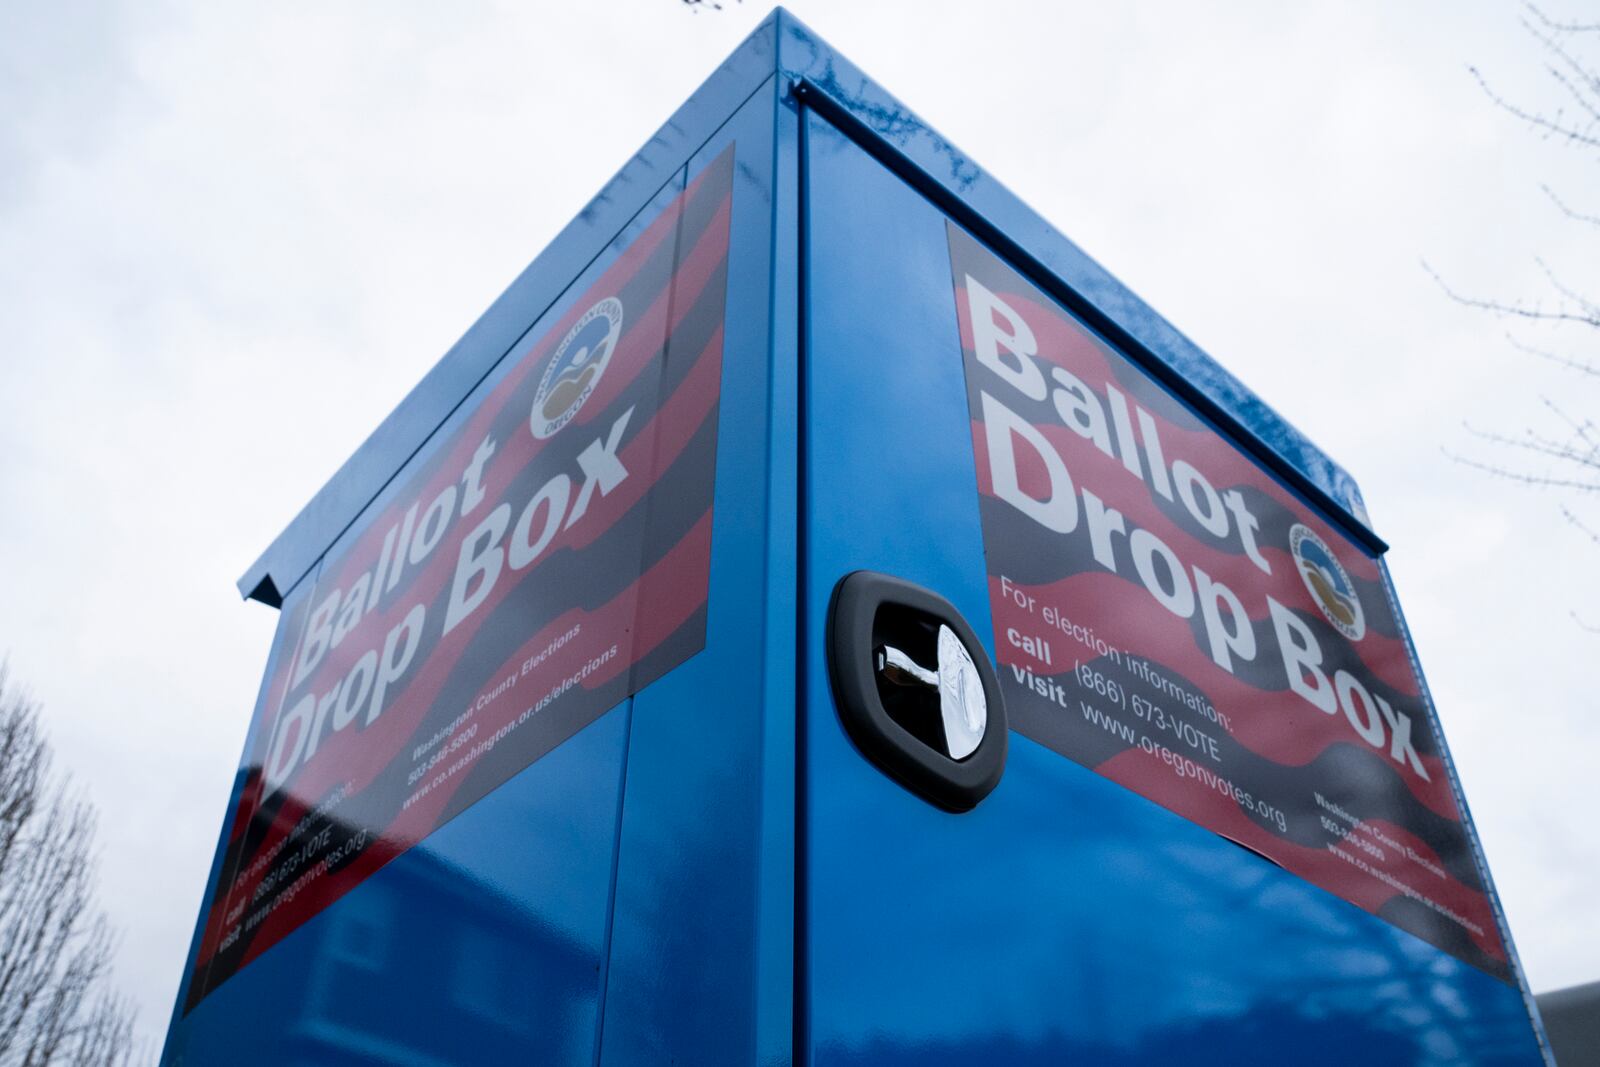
(1169, 615)
(544, 559)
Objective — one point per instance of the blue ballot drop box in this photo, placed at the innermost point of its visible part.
(818, 615)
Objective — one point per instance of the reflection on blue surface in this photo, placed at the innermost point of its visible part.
(700, 969)
(1066, 914)
(1325, 1041)
(481, 945)
(1066, 919)
(550, 911)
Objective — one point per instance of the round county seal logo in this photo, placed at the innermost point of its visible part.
(576, 367)
(1327, 582)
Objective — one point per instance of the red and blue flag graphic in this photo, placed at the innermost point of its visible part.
(1171, 616)
(546, 556)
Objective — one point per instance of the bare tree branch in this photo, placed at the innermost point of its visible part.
(1587, 530)
(1553, 126)
(1576, 216)
(1537, 447)
(1581, 366)
(1589, 311)
(56, 950)
(1511, 474)
(1570, 456)
(1516, 310)
(1579, 80)
(1562, 27)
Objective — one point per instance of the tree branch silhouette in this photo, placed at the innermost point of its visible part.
(1565, 454)
(56, 949)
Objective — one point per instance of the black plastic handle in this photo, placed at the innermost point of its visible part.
(870, 612)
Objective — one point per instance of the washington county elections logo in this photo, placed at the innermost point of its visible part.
(1327, 581)
(576, 367)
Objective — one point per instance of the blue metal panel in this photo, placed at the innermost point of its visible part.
(777, 917)
(1066, 918)
(941, 171)
(702, 937)
(668, 921)
(487, 941)
(364, 474)
(482, 945)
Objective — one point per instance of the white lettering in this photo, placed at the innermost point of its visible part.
(600, 467)
(1056, 511)
(1016, 339)
(480, 560)
(1302, 657)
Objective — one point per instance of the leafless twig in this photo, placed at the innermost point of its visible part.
(56, 949)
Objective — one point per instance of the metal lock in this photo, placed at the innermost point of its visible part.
(957, 689)
(914, 689)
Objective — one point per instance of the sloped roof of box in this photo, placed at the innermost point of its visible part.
(819, 76)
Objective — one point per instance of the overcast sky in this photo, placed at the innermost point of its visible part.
(233, 236)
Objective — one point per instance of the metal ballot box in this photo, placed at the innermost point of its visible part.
(818, 615)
